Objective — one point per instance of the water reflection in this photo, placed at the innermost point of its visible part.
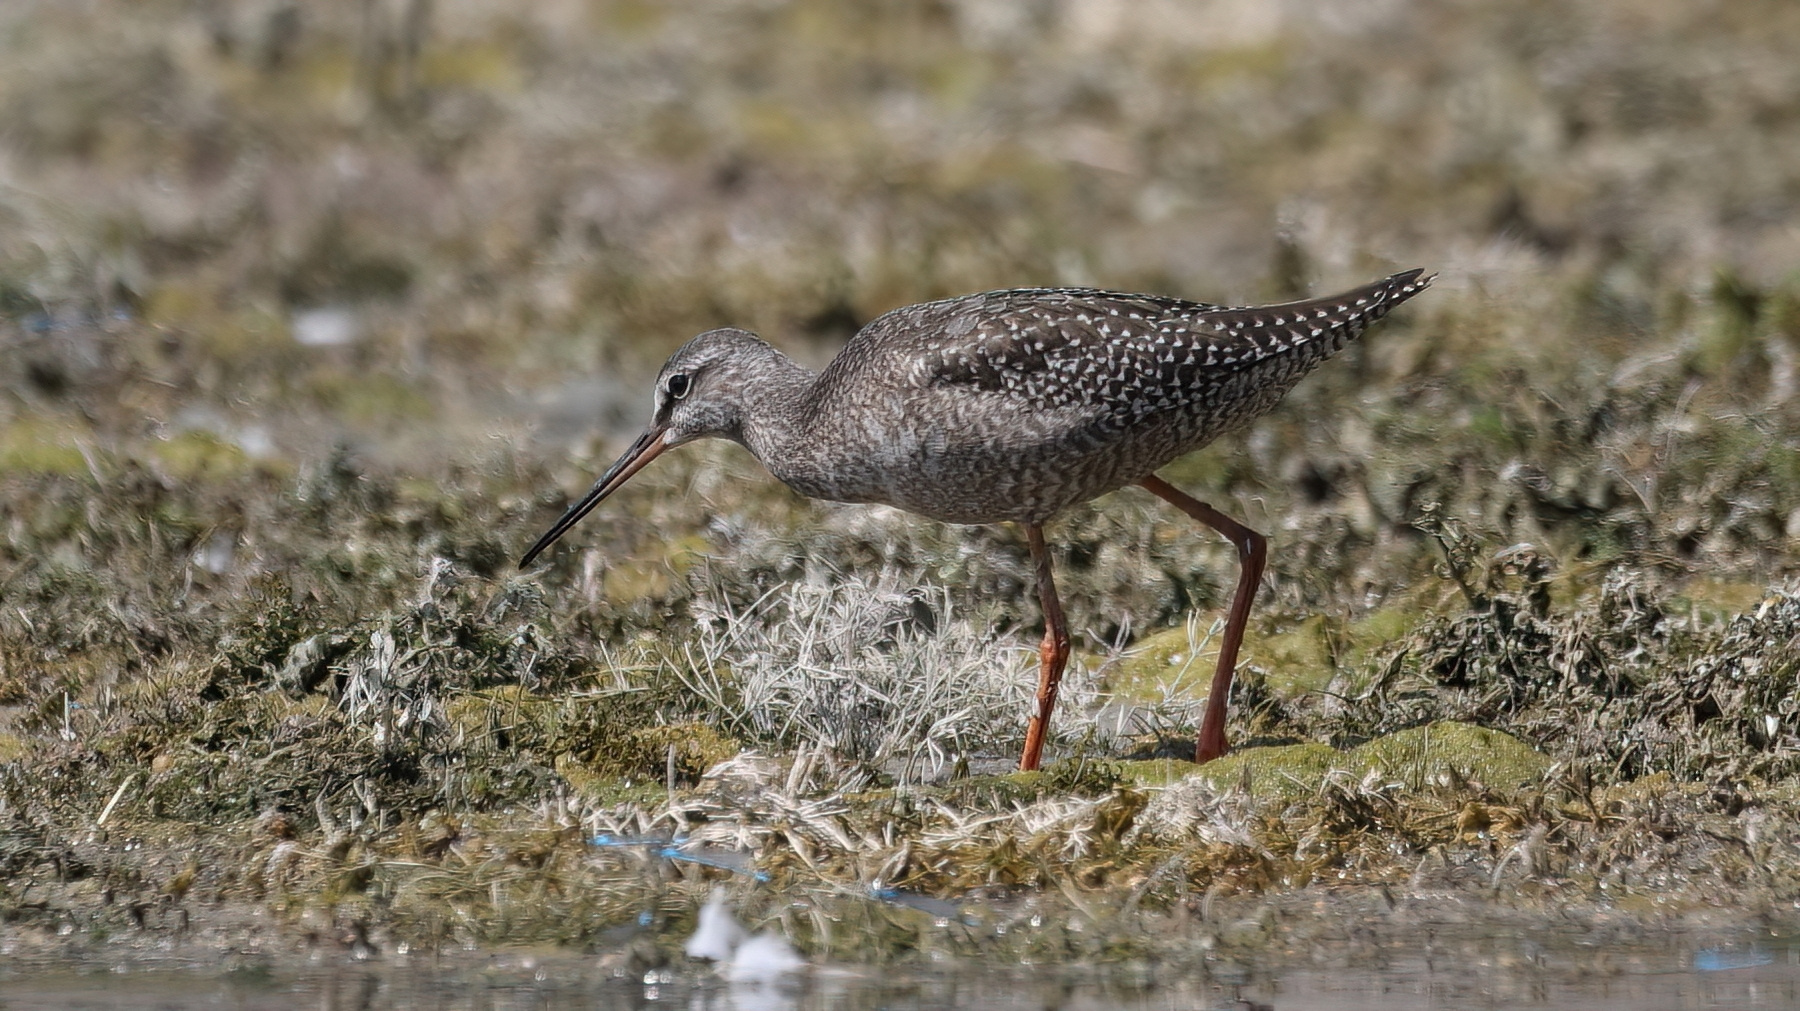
(1748, 976)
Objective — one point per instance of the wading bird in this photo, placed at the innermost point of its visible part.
(1010, 405)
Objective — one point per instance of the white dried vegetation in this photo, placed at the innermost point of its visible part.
(880, 671)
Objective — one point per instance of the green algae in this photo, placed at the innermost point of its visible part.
(1172, 660)
(1293, 769)
(1446, 753)
(41, 446)
(196, 455)
(1297, 660)
(1443, 755)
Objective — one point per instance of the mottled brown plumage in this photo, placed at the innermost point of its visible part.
(1007, 405)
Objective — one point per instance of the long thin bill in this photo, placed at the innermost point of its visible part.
(648, 447)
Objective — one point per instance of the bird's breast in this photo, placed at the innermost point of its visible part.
(962, 461)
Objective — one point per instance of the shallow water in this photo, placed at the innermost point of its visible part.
(1750, 975)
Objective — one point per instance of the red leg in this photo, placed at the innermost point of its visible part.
(1253, 552)
(1053, 653)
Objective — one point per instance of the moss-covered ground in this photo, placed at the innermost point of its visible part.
(313, 316)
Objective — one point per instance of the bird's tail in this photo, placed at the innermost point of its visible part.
(1312, 330)
(1346, 316)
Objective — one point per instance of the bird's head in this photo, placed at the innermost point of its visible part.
(702, 388)
(700, 392)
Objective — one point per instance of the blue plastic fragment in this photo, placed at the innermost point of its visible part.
(1721, 959)
(924, 903)
(667, 849)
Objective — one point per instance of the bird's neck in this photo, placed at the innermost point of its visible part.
(778, 410)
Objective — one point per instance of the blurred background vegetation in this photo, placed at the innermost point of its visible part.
(407, 224)
(300, 302)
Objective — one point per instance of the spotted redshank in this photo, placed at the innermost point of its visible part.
(1011, 406)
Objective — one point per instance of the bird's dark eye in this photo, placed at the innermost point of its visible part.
(678, 385)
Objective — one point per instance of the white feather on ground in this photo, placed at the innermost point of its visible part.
(718, 934)
(741, 958)
(764, 958)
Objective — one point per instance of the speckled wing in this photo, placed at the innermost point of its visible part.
(1105, 362)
